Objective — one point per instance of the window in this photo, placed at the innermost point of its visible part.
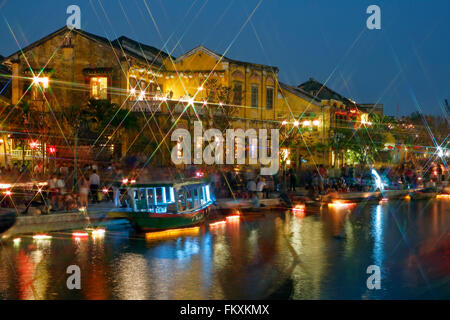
(254, 101)
(237, 93)
(151, 197)
(99, 87)
(39, 88)
(269, 98)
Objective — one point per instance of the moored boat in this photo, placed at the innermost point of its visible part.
(166, 205)
(7, 220)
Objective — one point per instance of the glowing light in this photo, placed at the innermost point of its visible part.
(8, 193)
(284, 122)
(98, 232)
(44, 81)
(306, 123)
(80, 234)
(5, 186)
(17, 240)
(296, 123)
(299, 210)
(133, 91)
(105, 190)
(316, 123)
(33, 145)
(124, 181)
(142, 95)
(443, 196)
(233, 218)
(379, 184)
(440, 153)
(205, 103)
(42, 237)
(341, 204)
(288, 162)
(407, 197)
(172, 233)
(199, 174)
(191, 101)
(384, 200)
(133, 181)
(218, 223)
(52, 149)
(200, 88)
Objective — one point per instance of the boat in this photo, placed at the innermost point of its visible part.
(423, 195)
(166, 205)
(7, 220)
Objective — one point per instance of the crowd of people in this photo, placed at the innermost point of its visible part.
(94, 183)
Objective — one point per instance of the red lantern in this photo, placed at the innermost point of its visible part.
(52, 149)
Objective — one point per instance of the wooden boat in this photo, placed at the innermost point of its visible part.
(166, 205)
(7, 220)
(423, 195)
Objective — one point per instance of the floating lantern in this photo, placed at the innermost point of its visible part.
(341, 204)
(42, 237)
(233, 218)
(80, 234)
(299, 210)
(217, 224)
(98, 232)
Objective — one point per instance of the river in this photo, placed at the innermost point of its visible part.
(324, 255)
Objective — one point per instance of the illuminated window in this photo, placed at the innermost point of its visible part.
(39, 88)
(269, 98)
(99, 88)
(254, 99)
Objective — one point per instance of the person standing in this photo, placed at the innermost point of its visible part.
(117, 183)
(260, 187)
(292, 179)
(94, 184)
(83, 193)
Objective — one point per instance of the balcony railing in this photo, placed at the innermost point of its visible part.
(29, 154)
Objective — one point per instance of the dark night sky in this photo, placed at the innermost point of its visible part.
(406, 63)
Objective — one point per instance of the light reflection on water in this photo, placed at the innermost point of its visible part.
(279, 255)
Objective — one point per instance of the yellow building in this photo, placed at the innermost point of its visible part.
(69, 67)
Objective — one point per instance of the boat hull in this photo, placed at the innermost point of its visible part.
(151, 222)
(7, 220)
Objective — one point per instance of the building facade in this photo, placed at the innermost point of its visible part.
(72, 67)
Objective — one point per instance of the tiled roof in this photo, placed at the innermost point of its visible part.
(101, 40)
(300, 93)
(226, 59)
(321, 91)
(146, 52)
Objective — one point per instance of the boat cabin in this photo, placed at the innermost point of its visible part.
(166, 198)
